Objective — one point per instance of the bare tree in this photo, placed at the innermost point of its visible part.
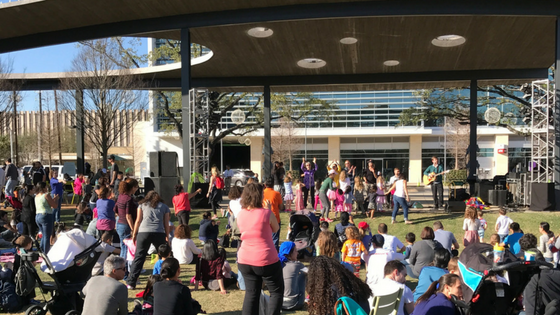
(458, 136)
(109, 91)
(286, 141)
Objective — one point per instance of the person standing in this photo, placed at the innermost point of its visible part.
(11, 178)
(127, 210)
(228, 174)
(327, 184)
(437, 184)
(257, 257)
(273, 197)
(278, 174)
(2, 182)
(56, 190)
(106, 295)
(114, 173)
(309, 181)
(38, 173)
(370, 175)
(401, 198)
(151, 228)
(392, 180)
(350, 171)
(44, 205)
(214, 194)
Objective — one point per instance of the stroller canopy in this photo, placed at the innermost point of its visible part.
(67, 246)
(473, 261)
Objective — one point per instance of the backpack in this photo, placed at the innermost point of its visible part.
(219, 182)
(25, 281)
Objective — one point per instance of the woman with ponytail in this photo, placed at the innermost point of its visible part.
(170, 296)
(437, 299)
(546, 234)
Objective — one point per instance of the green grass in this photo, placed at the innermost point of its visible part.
(214, 302)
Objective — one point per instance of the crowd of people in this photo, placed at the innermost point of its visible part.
(131, 228)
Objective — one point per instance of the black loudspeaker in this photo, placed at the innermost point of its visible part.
(456, 206)
(200, 200)
(164, 186)
(482, 188)
(163, 163)
(542, 197)
(497, 197)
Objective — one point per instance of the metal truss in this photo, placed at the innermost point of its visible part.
(199, 131)
(542, 132)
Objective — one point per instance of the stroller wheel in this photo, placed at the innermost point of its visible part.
(72, 313)
(35, 310)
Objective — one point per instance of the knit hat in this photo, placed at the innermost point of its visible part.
(378, 240)
(285, 250)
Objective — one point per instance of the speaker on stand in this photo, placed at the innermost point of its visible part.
(164, 186)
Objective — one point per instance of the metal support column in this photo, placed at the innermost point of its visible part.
(15, 131)
(185, 113)
(557, 119)
(472, 142)
(79, 96)
(267, 134)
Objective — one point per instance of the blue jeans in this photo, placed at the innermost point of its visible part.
(240, 280)
(45, 223)
(10, 186)
(276, 238)
(56, 211)
(400, 201)
(123, 230)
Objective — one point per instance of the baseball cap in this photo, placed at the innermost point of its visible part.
(111, 157)
(363, 225)
(378, 240)
(332, 172)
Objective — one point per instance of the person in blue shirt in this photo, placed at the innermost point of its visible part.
(429, 274)
(437, 184)
(164, 251)
(512, 240)
(437, 299)
(56, 189)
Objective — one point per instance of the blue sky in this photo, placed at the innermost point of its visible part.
(47, 59)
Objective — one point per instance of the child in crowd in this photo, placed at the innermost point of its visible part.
(346, 186)
(546, 235)
(512, 240)
(340, 228)
(372, 196)
(353, 248)
(339, 202)
(120, 177)
(483, 225)
(502, 224)
(365, 233)
(471, 225)
(208, 229)
(182, 205)
(453, 265)
(288, 195)
(80, 215)
(164, 251)
(148, 294)
(410, 238)
(318, 202)
(348, 199)
(324, 226)
(106, 250)
(494, 239)
(209, 270)
(331, 194)
(359, 192)
(298, 199)
(78, 182)
(380, 199)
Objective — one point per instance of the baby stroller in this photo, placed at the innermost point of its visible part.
(14, 203)
(493, 290)
(69, 274)
(304, 231)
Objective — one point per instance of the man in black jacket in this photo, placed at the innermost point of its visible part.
(541, 291)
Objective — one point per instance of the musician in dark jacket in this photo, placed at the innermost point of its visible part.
(437, 184)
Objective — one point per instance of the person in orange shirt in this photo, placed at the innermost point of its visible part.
(353, 248)
(275, 199)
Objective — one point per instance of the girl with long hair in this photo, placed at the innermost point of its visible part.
(546, 234)
(127, 209)
(171, 297)
(328, 280)
(214, 194)
(105, 211)
(151, 228)
(210, 267)
(359, 194)
(471, 225)
(327, 245)
(437, 299)
(182, 205)
(183, 246)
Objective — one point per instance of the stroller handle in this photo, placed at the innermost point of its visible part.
(521, 264)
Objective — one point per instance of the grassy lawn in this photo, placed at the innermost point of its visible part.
(214, 302)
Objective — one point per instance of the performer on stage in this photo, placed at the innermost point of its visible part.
(437, 184)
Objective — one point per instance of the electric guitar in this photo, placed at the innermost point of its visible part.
(429, 179)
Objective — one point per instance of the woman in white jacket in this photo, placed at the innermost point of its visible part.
(183, 247)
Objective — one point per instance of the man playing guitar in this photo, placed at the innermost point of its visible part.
(437, 184)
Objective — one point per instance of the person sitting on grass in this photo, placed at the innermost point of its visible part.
(512, 240)
(106, 294)
(183, 247)
(148, 295)
(209, 269)
(164, 252)
(208, 229)
(295, 277)
(432, 272)
(106, 249)
(171, 297)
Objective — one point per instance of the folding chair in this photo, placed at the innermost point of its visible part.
(387, 304)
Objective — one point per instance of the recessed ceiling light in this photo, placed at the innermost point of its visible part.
(348, 40)
(260, 32)
(448, 40)
(391, 63)
(312, 63)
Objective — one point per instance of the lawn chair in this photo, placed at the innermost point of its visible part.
(68, 189)
(387, 304)
(347, 306)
